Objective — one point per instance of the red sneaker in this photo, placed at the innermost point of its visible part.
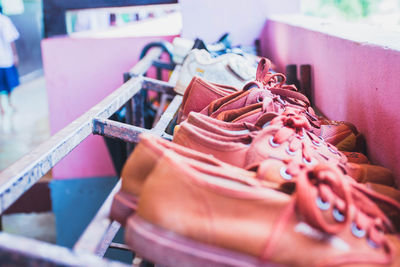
(239, 128)
(142, 161)
(264, 95)
(283, 138)
(199, 94)
(190, 218)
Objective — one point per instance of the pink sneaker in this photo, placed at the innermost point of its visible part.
(142, 161)
(240, 128)
(283, 138)
(265, 94)
(288, 128)
(190, 218)
(199, 94)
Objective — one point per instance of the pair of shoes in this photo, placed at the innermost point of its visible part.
(230, 69)
(195, 210)
(264, 94)
(270, 144)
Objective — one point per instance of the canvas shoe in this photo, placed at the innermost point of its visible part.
(240, 109)
(151, 149)
(229, 69)
(186, 217)
(343, 135)
(199, 94)
(240, 128)
(212, 99)
(233, 144)
(283, 137)
(266, 94)
(141, 162)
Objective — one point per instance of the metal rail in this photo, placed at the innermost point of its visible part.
(101, 230)
(99, 234)
(19, 177)
(21, 251)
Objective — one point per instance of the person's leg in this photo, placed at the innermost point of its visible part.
(12, 79)
(3, 88)
(10, 103)
(1, 105)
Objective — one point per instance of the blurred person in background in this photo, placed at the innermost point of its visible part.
(8, 59)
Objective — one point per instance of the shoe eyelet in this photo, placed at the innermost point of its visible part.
(281, 101)
(259, 99)
(357, 231)
(284, 174)
(372, 243)
(301, 137)
(272, 143)
(290, 152)
(308, 162)
(332, 150)
(338, 215)
(323, 205)
(316, 143)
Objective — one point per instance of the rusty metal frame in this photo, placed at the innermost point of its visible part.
(19, 177)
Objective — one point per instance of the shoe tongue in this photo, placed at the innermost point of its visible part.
(265, 119)
(258, 150)
(256, 95)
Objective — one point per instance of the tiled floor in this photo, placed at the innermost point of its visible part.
(28, 126)
(20, 132)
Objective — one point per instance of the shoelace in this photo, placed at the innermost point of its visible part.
(295, 127)
(284, 94)
(324, 189)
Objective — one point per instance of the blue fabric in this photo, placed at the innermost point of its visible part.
(9, 79)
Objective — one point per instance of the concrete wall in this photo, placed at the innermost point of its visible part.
(352, 80)
(209, 19)
(79, 73)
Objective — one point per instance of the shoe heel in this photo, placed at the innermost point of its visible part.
(123, 206)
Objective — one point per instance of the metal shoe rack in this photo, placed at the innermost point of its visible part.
(22, 175)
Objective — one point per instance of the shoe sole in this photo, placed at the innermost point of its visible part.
(169, 249)
(123, 206)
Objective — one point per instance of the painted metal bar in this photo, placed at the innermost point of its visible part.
(120, 246)
(160, 110)
(121, 131)
(101, 226)
(138, 107)
(101, 231)
(158, 86)
(22, 251)
(138, 70)
(118, 130)
(175, 75)
(168, 115)
(20, 176)
(146, 62)
(128, 114)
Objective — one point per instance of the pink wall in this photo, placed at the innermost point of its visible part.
(79, 73)
(352, 81)
(209, 19)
